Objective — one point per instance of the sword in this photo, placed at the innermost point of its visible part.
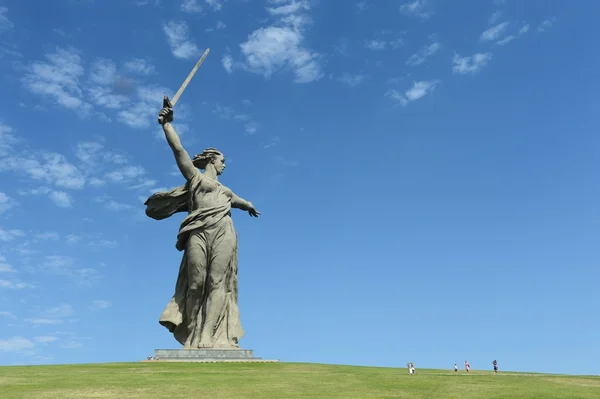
(184, 84)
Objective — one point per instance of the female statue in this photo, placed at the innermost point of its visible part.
(203, 312)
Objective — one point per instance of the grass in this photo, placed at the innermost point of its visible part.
(279, 380)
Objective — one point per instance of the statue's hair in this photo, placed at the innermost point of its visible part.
(205, 157)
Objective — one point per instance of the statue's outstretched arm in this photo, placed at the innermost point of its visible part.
(240, 203)
(184, 162)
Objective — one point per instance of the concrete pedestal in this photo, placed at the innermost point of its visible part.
(208, 356)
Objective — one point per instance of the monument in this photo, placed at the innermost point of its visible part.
(203, 313)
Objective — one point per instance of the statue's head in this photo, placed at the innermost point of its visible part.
(210, 156)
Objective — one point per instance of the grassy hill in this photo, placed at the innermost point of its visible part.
(279, 380)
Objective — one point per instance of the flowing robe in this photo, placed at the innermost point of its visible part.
(208, 268)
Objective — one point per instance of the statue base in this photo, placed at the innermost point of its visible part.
(208, 355)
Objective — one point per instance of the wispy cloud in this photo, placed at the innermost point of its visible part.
(49, 167)
(15, 344)
(362, 6)
(6, 203)
(547, 24)
(100, 304)
(5, 23)
(425, 52)
(7, 139)
(4, 266)
(495, 17)
(227, 62)
(470, 64)
(376, 44)
(58, 79)
(178, 38)
(11, 234)
(494, 33)
(14, 284)
(352, 79)
(139, 66)
(216, 5)
(142, 112)
(65, 266)
(416, 8)
(191, 6)
(418, 90)
(281, 45)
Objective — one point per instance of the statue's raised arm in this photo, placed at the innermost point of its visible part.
(184, 162)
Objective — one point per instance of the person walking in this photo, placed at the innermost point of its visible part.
(455, 368)
(495, 363)
(467, 366)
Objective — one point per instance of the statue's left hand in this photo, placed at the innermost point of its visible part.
(252, 211)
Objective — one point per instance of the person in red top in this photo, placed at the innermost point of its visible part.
(467, 366)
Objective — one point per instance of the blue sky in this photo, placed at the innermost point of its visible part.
(427, 174)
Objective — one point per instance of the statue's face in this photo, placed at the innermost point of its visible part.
(219, 163)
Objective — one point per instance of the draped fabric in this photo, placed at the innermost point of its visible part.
(206, 292)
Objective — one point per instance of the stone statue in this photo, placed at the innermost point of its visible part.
(203, 312)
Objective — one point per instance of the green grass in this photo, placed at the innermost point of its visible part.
(279, 380)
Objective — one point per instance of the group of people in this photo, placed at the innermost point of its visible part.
(468, 366)
(411, 367)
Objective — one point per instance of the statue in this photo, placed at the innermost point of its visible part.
(203, 312)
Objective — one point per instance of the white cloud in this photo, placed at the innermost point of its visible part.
(9, 235)
(8, 314)
(216, 5)
(43, 321)
(509, 38)
(5, 23)
(61, 199)
(376, 44)
(6, 203)
(145, 111)
(139, 66)
(524, 29)
(7, 139)
(418, 90)
(281, 45)
(60, 311)
(11, 284)
(49, 167)
(495, 17)
(221, 25)
(251, 127)
(126, 174)
(362, 6)
(417, 8)
(73, 239)
(227, 62)
(49, 235)
(65, 266)
(470, 64)
(191, 6)
(178, 37)
(45, 339)
(100, 304)
(15, 344)
(547, 24)
(494, 32)
(352, 80)
(4, 266)
(57, 79)
(113, 205)
(425, 52)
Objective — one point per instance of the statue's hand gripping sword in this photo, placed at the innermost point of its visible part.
(173, 101)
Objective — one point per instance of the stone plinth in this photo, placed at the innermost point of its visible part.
(208, 355)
